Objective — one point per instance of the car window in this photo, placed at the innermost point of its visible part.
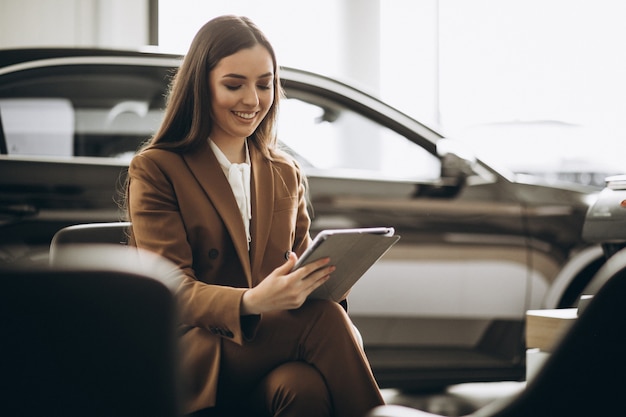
(336, 138)
(110, 110)
(104, 111)
(39, 126)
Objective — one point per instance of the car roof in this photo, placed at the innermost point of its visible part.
(12, 56)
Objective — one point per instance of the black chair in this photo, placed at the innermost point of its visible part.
(585, 374)
(94, 340)
(97, 233)
(68, 238)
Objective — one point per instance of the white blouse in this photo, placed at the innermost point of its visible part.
(238, 176)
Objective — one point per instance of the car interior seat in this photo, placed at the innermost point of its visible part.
(94, 336)
(584, 375)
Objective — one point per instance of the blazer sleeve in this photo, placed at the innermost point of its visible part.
(157, 226)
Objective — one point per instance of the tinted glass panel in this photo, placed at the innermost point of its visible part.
(82, 110)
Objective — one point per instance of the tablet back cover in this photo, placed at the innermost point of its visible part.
(352, 254)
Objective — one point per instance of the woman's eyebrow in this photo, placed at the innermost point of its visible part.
(243, 77)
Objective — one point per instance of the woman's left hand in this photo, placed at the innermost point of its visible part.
(284, 289)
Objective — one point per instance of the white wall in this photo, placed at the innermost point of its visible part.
(105, 23)
(409, 57)
(388, 47)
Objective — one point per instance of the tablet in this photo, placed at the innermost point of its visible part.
(351, 251)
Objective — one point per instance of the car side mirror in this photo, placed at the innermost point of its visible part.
(456, 165)
(456, 162)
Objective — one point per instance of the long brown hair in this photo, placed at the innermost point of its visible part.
(187, 120)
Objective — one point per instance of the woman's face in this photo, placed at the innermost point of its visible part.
(242, 92)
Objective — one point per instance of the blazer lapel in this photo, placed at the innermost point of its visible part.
(262, 194)
(208, 172)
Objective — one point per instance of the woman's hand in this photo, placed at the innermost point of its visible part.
(286, 290)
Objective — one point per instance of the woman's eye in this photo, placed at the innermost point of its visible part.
(233, 87)
(264, 86)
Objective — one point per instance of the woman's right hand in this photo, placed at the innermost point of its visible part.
(284, 289)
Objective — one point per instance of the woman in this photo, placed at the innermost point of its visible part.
(213, 194)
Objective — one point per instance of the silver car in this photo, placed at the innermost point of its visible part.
(446, 305)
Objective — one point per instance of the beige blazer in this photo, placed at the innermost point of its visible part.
(182, 207)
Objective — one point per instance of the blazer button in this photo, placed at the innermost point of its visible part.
(213, 254)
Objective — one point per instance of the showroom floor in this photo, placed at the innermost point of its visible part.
(457, 400)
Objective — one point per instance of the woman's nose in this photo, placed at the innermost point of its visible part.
(251, 97)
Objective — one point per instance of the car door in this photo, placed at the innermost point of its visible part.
(447, 302)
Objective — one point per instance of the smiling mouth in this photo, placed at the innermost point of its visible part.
(244, 115)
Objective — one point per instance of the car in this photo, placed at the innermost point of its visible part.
(479, 245)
